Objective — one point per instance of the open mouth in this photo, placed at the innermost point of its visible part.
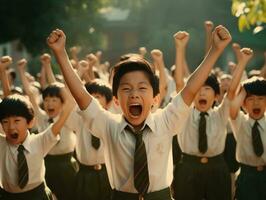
(135, 110)
(202, 102)
(50, 110)
(14, 136)
(256, 111)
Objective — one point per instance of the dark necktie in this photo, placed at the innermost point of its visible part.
(50, 120)
(95, 142)
(23, 171)
(203, 143)
(141, 174)
(256, 140)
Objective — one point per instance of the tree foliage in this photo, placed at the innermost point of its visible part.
(250, 13)
(31, 21)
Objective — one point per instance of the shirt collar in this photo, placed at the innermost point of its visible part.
(261, 122)
(149, 122)
(196, 113)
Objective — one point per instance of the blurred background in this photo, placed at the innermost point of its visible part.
(122, 26)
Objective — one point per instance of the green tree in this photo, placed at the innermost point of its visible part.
(250, 13)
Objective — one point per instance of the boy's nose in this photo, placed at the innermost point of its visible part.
(134, 94)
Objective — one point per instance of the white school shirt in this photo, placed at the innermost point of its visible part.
(36, 148)
(67, 136)
(120, 144)
(216, 130)
(242, 127)
(85, 152)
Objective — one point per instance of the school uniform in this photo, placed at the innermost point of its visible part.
(60, 165)
(120, 143)
(251, 182)
(197, 175)
(91, 180)
(35, 149)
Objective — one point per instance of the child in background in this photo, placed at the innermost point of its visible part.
(250, 132)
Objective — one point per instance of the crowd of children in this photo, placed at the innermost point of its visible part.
(134, 131)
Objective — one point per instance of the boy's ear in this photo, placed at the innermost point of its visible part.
(157, 100)
(31, 123)
(116, 101)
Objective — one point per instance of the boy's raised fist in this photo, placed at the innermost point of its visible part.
(221, 37)
(181, 38)
(56, 40)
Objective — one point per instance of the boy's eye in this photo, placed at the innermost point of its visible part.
(4, 121)
(142, 88)
(125, 89)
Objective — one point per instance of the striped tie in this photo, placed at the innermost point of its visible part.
(256, 140)
(203, 142)
(141, 174)
(23, 174)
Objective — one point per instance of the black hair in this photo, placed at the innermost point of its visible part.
(16, 105)
(255, 86)
(156, 85)
(133, 63)
(213, 82)
(52, 90)
(100, 87)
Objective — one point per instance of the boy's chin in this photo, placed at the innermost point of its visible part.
(13, 141)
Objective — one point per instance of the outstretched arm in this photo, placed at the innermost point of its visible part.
(5, 61)
(21, 65)
(181, 40)
(56, 42)
(66, 110)
(236, 103)
(245, 54)
(208, 25)
(46, 64)
(220, 39)
(157, 57)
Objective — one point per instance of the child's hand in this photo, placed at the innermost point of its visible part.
(221, 38)
(246, 54)
(5, 61)
(232, 67)
(181, 39)
(236, 48)
(83, 67)
(142, 51)
(208, 26)
(56, 40)
(45, 59)
(157, 55)
(22, 63)
(75, 50)
(92, 59)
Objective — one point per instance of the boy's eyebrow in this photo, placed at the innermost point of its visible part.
(142, 82)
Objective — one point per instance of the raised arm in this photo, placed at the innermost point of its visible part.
(46, 63)
(142, 51)
(56, 42)
(66, 110)
(236, 103)
(245, 54)
(181, 39)
(21, 65)
(220, 39)
(208, 25)
(5, 61)
(157, 57)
